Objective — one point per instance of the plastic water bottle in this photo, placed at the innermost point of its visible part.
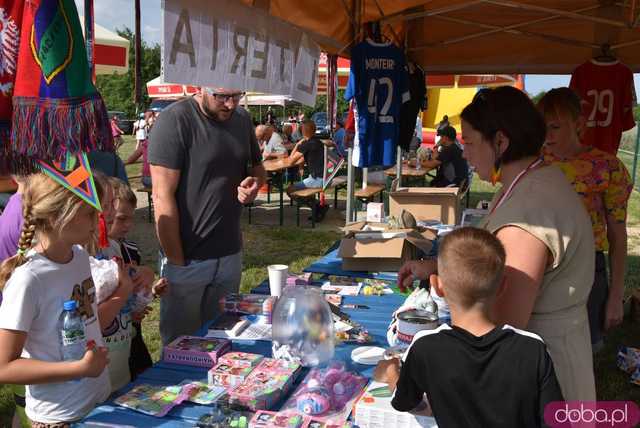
(72, 332)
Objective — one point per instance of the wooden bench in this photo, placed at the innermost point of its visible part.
(306, 197)
(367, 194)
(148, 191)
(337, 183)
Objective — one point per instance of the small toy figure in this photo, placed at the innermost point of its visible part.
(314, 401)
(327, 390)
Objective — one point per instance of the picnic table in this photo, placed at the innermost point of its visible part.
(375, 320)
(409, 171)
(275, 168)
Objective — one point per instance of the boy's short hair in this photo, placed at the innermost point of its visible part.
(101, 181)
(447, 131)
(122, 192)
(310, 123)
(470, 265)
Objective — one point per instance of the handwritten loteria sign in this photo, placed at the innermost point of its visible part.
(222, 43)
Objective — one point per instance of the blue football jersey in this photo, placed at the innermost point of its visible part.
(379, 83)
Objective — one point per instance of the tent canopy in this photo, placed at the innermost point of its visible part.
(111, 51)
(258, 99)
(157, 88)
(479, 36)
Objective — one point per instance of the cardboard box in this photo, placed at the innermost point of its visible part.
(427, 203)
(380, 249)
(375, 211)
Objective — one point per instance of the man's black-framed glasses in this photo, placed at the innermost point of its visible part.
(223, 98)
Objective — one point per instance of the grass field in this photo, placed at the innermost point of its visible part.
(298, 247)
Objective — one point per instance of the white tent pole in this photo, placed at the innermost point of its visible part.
(356, 22)
(365, 177)
(399, 165)
(350, 184)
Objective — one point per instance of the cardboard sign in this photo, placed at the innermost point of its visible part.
(223, 43)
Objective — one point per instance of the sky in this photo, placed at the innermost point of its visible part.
(117, 14)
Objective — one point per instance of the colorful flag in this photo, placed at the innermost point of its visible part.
(57, 109)
(10, 20)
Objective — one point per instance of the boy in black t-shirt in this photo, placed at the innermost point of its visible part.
(474, 373)
(312, 149)
(452, 168)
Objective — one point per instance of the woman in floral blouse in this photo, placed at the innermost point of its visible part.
(604, 185)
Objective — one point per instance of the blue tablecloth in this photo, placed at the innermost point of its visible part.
(375, 319)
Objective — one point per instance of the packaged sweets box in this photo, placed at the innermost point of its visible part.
(266, 384)
(195, 351)
(241, 359)
(227, 376)
(233, 368)
(251, 304)
(266, 419)
(299, 279)
(374, 410)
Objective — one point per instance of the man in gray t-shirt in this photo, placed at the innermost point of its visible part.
(205, 164)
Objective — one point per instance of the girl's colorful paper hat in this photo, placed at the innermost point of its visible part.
(74, 173)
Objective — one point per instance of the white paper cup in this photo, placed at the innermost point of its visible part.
(277, 278)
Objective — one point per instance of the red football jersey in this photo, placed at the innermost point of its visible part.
(607, 94)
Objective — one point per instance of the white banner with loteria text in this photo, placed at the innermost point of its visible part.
(223, 43)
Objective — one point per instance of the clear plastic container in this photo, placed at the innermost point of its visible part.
(302, 327)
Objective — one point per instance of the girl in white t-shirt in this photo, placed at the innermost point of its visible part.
(50, 268)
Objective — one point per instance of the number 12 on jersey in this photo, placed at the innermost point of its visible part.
(375, 88)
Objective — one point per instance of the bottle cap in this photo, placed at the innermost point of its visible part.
(70, 305)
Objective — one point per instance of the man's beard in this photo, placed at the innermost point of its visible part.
(215, 115)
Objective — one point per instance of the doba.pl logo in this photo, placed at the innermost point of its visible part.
(592, 414)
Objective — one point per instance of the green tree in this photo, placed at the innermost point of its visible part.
(636, 113)
(293, 107)
(117, 90)
(538, 96)
(321, 105)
